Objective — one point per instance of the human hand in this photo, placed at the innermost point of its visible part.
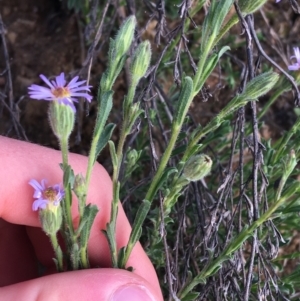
(23, 244)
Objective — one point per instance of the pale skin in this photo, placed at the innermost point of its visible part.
(22, 242)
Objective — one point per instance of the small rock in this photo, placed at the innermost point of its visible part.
(6, 11)
(2, 80)
(12, 36)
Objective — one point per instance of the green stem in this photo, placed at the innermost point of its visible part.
(127, 103)
(66, 205)
(202, 61)
(163, 162)
(83, 258)
(58, 252)
(207, 129)
(284, 141)
(116, 171)
(91, 159)
(64, 151)
(68, 196)
(96, 136)
(233, 20)
(269, 103)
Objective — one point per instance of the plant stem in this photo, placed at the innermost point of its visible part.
(163, 163)
(64, 151)
(92, 158)
(68, 194)
(284, 141)
(269, 103)
(83, 257)
(116, 171)
(203, 58)
(58, 252)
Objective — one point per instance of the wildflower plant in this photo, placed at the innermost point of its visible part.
(181, 165)
(47, 201)
(59, 92)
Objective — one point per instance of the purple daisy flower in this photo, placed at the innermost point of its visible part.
(59, 91)
(46, 196)
(296, 65)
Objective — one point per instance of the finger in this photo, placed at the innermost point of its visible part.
(88, 285)
(21, 162)
(16, 266)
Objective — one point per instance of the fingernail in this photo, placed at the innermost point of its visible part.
(132, 293)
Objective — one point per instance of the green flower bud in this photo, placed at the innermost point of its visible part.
(125, 36)
(291, 163)
(80, 186)
(132, 157)
(260, 85)
(197, 167)
(51, 218)
(249, 7)
(140, 61)
(61, 119)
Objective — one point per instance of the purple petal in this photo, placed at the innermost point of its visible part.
(38, 89)
(74, 99)
(75, 90)
(37, 194)
(85, 88)
(45, 79)
(60, 192)
(39, 204)
(40, 93)
(60, 80)
(297, 53)
(36, 185)
(67, 102)
(75, 85)
(43, 183)
(294, 67)
(85, 95)
(73, 82)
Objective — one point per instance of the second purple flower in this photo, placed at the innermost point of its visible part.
(296, 65)
(46, 196)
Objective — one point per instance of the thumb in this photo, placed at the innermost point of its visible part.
(93, 284)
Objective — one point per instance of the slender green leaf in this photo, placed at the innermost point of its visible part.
(184, 100)
(104, 138)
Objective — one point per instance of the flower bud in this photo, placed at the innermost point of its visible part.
(249, 7)
(51, 218)
(47, 201)
(61, 119)
(131, 159)
(291, 163)
(125, 36)
(80, 186)
(140, 61)
(260, 85)
(197, 167)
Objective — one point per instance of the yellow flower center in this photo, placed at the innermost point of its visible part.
(50, 194)
(61, 92)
